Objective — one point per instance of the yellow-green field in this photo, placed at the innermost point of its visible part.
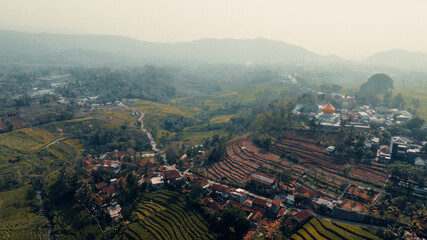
(18, 219)
(166, 215)
(318, 229)
(197, 137)
(410, 93)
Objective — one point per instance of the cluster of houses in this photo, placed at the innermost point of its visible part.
(360, 117)
(111, 163)
(401, 148)
(257, 208)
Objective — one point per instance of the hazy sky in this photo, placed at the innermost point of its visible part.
(352, 29)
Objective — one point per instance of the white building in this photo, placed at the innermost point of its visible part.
(239, 195)
(157, 182)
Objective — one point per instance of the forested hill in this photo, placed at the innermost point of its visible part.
(398, 58)
(44, 48)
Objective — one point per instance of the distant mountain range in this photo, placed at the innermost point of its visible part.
(35, 49)
(398, 58)
(46, 48)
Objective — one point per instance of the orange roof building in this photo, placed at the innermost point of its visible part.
(328, 108)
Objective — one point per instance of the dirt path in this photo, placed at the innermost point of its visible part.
(51, 143)
(150, 137)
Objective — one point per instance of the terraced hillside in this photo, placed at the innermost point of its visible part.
(313, 156)
(321, 229)
(34, 152)
(165, 215)
(243, 159)
(18, 220)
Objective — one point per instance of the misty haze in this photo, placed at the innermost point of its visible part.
(213, 119)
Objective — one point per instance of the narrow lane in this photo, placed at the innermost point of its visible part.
(150, 137)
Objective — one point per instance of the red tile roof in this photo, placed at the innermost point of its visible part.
(201, 182)
(160, 168)
(257, 217)
(88, 179)
(173, 174)
(306, 192)
(214, 205)
(218, 187)
(260, 202)
(229, 190)
(109, 190)
(304, 215)
(118, 154)
(109, 169)
(256, 209)
(90, 161)
(276, 202)
(121, 179)
(246, 208)
(98, 198)
(101, 185)
(237, 204)
(281, 211)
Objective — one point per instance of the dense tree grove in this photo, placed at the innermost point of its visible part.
(378, 83)
(218, 149)
(151, 83)
(107, 140)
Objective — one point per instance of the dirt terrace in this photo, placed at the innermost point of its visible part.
(312, 155)
(243, 159)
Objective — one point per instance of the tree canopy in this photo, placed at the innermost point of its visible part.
(378, 83)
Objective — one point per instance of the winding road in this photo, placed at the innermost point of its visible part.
(150, 137)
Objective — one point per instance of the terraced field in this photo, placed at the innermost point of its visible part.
(313, 156)
(321, 229)
(243, 159)
(27, 139)
(18, 219)
(330, 185)
(164, 215)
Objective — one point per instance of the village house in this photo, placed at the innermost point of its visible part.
(290, 199)
(239, 195)
(372, 144)
(299, 219)
(305, 192)
(261, 203)
(263, 179)
(275, 206)
(101, 185)
(171, 176)
(256, 219)
(212, 204)
(383, 154)
(115, 211)
(157, 182)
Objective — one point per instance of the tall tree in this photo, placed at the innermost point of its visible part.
(398, 101)
(378, 83)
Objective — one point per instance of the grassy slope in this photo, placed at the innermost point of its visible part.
(411, 92)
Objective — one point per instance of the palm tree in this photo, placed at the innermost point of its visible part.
(413, 226)
(394, 212)
(382, 206)
(371, 208)
(419, 214)
(395, 232)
